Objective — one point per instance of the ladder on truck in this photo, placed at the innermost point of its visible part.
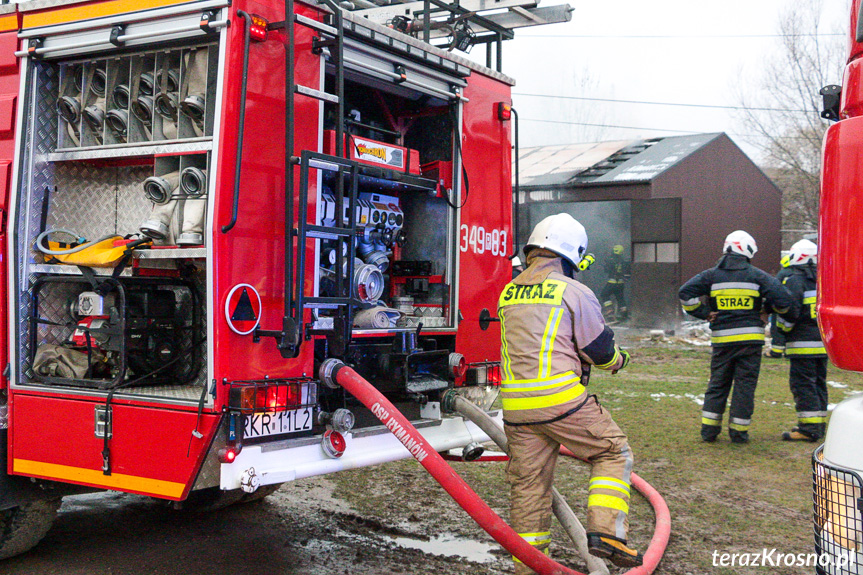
(347, 175)
(291, 336)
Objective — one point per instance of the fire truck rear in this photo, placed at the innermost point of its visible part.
(838, 464)
(208, 200)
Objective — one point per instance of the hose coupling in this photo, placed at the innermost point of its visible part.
(327, 372)
(447, 401)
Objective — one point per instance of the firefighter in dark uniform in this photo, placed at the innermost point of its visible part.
(550, 326)
(804, 348)
(617, 269)
(732, 296)
(777, 336)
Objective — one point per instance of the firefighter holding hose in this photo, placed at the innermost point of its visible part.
(550, 325)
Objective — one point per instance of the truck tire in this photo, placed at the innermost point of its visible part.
(260, 493)
(22, 527)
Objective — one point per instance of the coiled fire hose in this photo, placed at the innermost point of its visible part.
(334, 373)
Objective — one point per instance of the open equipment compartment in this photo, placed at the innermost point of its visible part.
(105, 138)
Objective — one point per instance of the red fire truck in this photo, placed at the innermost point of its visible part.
(838, 464)
(209, 198)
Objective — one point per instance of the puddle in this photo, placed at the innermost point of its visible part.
(449, 545)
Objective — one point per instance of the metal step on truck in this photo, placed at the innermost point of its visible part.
(207, 200)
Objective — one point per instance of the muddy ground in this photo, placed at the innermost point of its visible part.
(301, 529)
(395, 519)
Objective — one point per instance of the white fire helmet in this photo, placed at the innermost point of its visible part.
(562, 234)
(803, 252)
(739, 242)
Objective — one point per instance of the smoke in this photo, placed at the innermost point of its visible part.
(607, 225)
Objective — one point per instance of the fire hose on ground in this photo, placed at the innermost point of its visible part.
(335, 373)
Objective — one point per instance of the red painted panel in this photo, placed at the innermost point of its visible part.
(8, 46)
(55, 439)
(855, 48)
(485, 237)
(840, 304)
(253, 252)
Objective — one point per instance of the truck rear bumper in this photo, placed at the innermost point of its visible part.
(289, 460)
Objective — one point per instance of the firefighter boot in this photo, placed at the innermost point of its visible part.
(738, 436)
(797, 435)
(613, 549)
(709, 433)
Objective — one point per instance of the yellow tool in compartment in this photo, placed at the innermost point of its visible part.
(105, 252)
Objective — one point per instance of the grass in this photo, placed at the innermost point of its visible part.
(724, 497)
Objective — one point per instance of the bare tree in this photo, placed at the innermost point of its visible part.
(783, 117)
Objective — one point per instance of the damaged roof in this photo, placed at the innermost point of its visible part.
(622, 161)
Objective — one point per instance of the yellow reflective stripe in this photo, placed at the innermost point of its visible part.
(812, 420)
(561, 377)
(551, 341)
(516, 404)
(692, 307)
(805, 350)
(517, 560)
(505, 389)
(738, 427)
(606, 485)
(735, 291)
(610, 480)
(738, 337)
(504, 351)
(548, 337)
(714, 422)
(613, 360)
(602, 500)
(540, 537)
(809, 300)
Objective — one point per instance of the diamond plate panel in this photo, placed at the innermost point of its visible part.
(95, 201)
(91, 200)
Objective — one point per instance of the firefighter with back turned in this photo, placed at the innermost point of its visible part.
(735, 297)
(550, 325)
(804, 348)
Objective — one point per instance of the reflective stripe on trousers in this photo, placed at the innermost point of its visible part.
(752, 333)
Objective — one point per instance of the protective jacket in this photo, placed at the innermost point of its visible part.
(738, 292)
(777, 336)
(802, 336)
(550, 323)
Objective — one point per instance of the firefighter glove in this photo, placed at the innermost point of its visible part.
(624, 355)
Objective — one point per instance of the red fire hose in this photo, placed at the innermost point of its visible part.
(335, 371)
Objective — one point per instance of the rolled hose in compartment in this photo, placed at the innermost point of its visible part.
(334, 371)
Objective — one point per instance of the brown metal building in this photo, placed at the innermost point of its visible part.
(669, 201)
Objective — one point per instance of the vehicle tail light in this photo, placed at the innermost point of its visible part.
(258, 30)
(494, 374)
(229, 453)
(483, 373)
(270, 395)
(504, 111)
(837, 514)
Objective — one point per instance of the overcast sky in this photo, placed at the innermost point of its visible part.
(674, 51)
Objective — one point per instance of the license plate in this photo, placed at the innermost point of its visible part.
(277, 423)
(283, 422)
